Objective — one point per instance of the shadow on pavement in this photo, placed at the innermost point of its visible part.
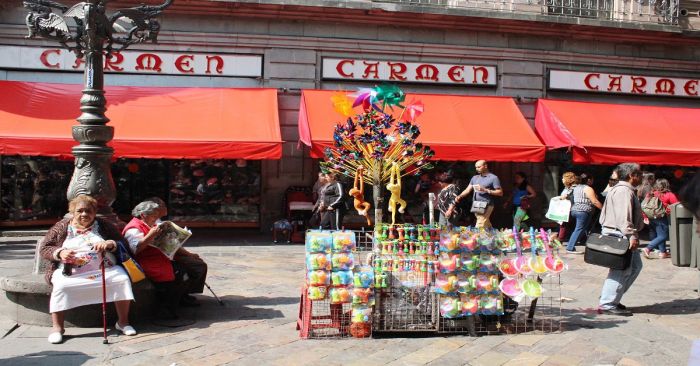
(575, 319)
(48, 358)
(673, 307)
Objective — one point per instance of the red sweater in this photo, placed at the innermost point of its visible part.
(155, 264)
(667, 198)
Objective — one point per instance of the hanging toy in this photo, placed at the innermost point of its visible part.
(394, 186)
(358, 194)
(511, 288)
(522, 264)
(536, 262)
(470, 304)
(553, 264)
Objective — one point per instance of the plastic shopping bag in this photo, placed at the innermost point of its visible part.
(558, 210)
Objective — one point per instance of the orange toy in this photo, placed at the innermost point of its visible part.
(358, 194)
(394, 187)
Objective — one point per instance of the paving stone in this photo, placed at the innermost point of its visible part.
(490, 358)
(562, 360)
(526, 359)
(525, 339)
(427, 353)
(629, 362)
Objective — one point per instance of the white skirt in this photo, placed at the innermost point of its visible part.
(86, 288)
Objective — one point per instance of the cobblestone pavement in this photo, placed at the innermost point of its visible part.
(259, 284)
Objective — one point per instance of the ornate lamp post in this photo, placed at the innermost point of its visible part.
(94, 36)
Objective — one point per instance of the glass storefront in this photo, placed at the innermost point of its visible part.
(197, 191)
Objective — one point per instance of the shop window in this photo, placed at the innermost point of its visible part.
(33, 188)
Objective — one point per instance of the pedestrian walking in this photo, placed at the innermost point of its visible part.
(656, 207)
(333, 209)
(568, 180)
(621, 216)
(521, 198)
(449, 212)
(582, 210)
(486, 187)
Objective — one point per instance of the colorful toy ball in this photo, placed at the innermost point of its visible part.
(316, 293)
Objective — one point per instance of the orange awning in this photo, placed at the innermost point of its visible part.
(601, 133)
(149, 122)
(463, 128)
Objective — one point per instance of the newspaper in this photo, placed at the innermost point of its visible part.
(171, 238)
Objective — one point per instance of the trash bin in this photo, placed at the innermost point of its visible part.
(681, 236)
(695, 247)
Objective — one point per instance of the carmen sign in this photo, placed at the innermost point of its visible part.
(139, 62)
(602, 82)
(409, 72)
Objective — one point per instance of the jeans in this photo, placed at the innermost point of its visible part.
(582, 220)
(660, 227)
(619, 281)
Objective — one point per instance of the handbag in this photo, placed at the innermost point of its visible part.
(608, 251)
(478, 207)
(132, 268)
(525, 203)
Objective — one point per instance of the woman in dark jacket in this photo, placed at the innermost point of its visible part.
(333, 205)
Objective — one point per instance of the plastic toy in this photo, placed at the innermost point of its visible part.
(343, 241)
(531, 288)
(342, 261)
(521, 263)
(491, 305)
(470, 262)
(341, 278)
(316, 292)
(448, 262)
(363, 278)
(487, 262)
(511, 288)
(507, 267)
(470, 305)
(361, 314)
(536, 262)
(449, 242)
(361, 295)
(486, 282)
(317, 261)
(318, 278)
(446, 283)
(361, 330)
(553, 264)
(340, 295)
(318, 241)
(450, 307)
(466, 283)
(357, 192)
(468, 242)
(394, 186)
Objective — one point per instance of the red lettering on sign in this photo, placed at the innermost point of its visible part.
(339, 68)
(396, 71)
(148, 61)
(427, 72)
(638, 85)
(455, 73)
(219, 64)
(44, 58)
(484, 74)
(78, 62)
(615, 83)
(690, 87)
(371, 68)
(587, 81)
(111, 63)
(665, 86)
(182, 64)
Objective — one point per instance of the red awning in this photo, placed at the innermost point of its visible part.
(463, 128)
(149, 122)
(613, 133)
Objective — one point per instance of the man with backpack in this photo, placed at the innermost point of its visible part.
(655, 206)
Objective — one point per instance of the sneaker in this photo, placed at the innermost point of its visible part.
(647, 253)
(55, 338)
(620, 306)
(573, 251)
(663, 255)
(615, 311)
(127, 329)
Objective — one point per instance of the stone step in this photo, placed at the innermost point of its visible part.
(22, 233)
(5, 240)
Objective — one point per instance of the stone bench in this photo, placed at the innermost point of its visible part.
(26, 300)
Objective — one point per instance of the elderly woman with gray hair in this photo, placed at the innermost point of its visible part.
(140, 233)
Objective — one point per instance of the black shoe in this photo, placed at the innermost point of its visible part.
(189, 301)
(621, 307)
(615, 311)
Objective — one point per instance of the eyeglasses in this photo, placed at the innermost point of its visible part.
(612, 180)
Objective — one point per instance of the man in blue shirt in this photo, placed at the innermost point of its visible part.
(485, 186)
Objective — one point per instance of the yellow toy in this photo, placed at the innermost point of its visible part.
(394, 187)
(358, 194)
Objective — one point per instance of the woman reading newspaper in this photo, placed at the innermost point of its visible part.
(171, 280)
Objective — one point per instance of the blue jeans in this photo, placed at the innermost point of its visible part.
(618, 282)
(583, 218)
(660, 227)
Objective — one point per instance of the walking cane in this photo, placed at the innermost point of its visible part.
(104, 300)
(212, 292)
